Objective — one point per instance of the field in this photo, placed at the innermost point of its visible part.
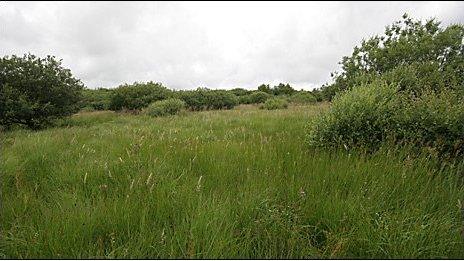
(236, 183)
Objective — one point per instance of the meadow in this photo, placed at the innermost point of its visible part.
(238, 183)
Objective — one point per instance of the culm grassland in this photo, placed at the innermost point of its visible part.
(218, 184)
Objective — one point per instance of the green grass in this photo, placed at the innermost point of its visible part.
(218, 184)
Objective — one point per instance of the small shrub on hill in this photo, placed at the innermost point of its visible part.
(165, 107)
(204, 99)
(302, 97)
(259, 97)
(138, 95)
(97, 100)
(274, 104)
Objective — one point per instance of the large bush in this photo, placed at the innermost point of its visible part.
(372, 114)
(240, 92)
(259, 97)
(254, 98)
(406, 87)
(205, 99)
(431, 50)
(34, 91)
(166, 107)
(274, 104)
(138, 95)
(220, 99)
(98, 99)
(302, 97)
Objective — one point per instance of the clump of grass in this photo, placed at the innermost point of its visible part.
(274, 104)
(219, 184)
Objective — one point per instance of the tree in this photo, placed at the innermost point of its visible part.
(433, 51)
(283, 89)
(265, 88)
(34, 91)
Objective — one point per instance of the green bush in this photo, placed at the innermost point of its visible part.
(370, 115)
(274, 104)
(205, 99)
(35, 91)
(138, 95)
(219, 99)
(426, 49)
(302, 97)
(97, 100)
(166, 107)
(240, 92)
(255, 97)
(259, 97)
(283, 89)
(194, 100)
(245, 99)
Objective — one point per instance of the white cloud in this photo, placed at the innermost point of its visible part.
(189, 44)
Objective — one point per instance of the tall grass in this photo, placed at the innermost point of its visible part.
(218, 184)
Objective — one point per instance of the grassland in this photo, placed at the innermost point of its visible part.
(218, 184)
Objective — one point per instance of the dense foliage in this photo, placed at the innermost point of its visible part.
(205, 99)
(371, 114)
(98, 99)
(280, 89)
(274, 104)
(425, 47)
(239, 92)
(166, 107)
(138, 95)
(302, 97)
(34, 91)
(254, 98)
(408, 91)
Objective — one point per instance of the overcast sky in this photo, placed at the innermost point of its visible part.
(185, 45)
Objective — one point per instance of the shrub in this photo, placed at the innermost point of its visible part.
(194, 100)
(202, 99)
(274, 103)
(245, 99)
(97, 100)
(138, 95)
(302, 97)
(259, 97)
(219, 99)
(240, 92)
(356, 118)
(166, 107)
(435, 52)
(34, 91)
(373, 114)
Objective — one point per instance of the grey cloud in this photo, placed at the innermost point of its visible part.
(216, 45)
